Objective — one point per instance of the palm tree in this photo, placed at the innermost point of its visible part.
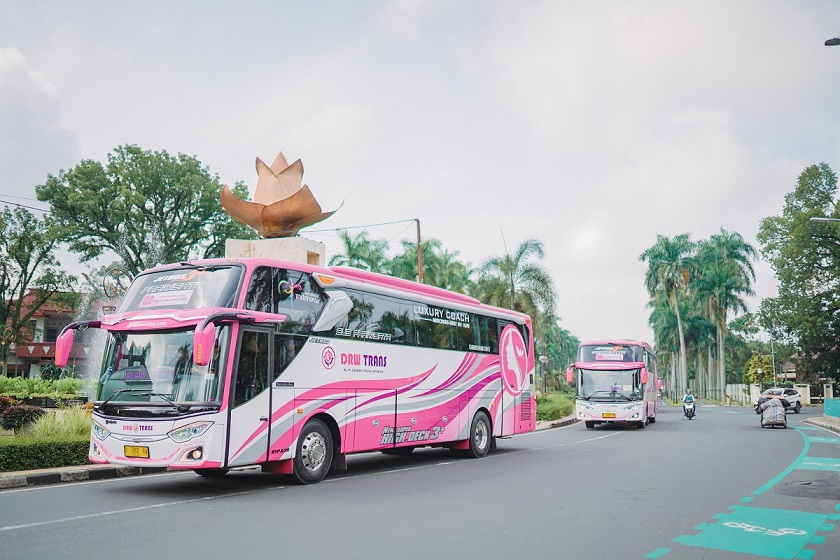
(666, 341)
(724, 273)
(668, 265)
(515, 282)
(361, 252)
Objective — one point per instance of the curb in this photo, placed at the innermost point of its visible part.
(548, 424)
(826, 424)
(78, 474)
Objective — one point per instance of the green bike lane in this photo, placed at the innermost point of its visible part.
(794, 516)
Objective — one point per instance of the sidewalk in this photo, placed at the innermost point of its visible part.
(828, 422)
(81, 473)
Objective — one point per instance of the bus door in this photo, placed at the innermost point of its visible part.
(285, 397)
(376, 416)
(250, 399)
(517, 381)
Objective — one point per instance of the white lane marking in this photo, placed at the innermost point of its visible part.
(128, 510)
(81, 482)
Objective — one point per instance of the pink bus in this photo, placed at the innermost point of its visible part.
(217, 364)
(616, 381)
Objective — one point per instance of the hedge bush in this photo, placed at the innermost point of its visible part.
(553, 406)
(19, 454)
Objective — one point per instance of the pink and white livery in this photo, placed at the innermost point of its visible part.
(616, 382)
(216, 364)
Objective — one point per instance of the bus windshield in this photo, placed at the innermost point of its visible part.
(157, 368)
(597, 384)
(610, 353)
(189, 287)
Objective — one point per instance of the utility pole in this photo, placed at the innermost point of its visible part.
(419, 253)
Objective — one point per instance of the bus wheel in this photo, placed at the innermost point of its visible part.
(589, 424)
(481, 437)
(640, 425)
(314, 453)
(652, 419)
(211, 473)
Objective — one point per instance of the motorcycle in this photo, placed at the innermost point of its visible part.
(689, 410)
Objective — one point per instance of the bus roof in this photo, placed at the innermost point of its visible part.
(617, 342)
(356, 275)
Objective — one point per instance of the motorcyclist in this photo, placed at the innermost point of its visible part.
(688, 398)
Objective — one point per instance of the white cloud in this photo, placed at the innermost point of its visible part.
(590, 127)
(30, 134)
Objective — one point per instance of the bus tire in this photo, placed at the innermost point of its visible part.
(314, 453)
(211, 473)
(589, 424)
(641, 425)
(652, 419)
(481, 435)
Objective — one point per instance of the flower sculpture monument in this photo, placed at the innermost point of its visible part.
(282, 206)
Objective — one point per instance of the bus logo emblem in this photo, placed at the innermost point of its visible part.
(328, 357)
(514, 360)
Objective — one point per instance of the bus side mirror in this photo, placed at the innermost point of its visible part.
(337, 307)
(63, 345)
(570, 375)
(203, 344)
(644, 376)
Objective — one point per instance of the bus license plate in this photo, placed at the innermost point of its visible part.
(137, 451)
(608, 415)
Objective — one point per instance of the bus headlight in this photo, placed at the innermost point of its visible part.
(100, 431)
(186, 433)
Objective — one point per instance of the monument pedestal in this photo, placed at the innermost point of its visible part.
(294, 249)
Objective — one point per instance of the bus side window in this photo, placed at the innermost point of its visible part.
(252, 367)
(260, 296)
(286, 348)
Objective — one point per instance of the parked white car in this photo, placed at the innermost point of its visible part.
(790, 395)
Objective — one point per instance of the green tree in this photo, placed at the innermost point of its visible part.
(669, 261)
(515, 281)
(806, 259)
(147, 207)
(27, 261)
(723, 275)
(361, 252)
(441, 267)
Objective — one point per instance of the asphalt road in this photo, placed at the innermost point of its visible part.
(715, 487)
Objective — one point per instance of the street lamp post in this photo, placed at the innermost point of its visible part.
(6, 340)
(544, 360)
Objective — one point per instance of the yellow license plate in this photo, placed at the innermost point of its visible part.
(137, 451)
(603, 415)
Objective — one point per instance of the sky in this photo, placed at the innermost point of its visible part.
(590, 126)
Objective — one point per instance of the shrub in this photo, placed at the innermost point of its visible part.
(20, 454)
(68, 423)
(6, 402)
(554, 406)
(50, 372)
(16, 416)
(24, 388)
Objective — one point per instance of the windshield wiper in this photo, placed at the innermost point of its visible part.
(114, 394)
(144, 393)
(610, 393)
(168, 399)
